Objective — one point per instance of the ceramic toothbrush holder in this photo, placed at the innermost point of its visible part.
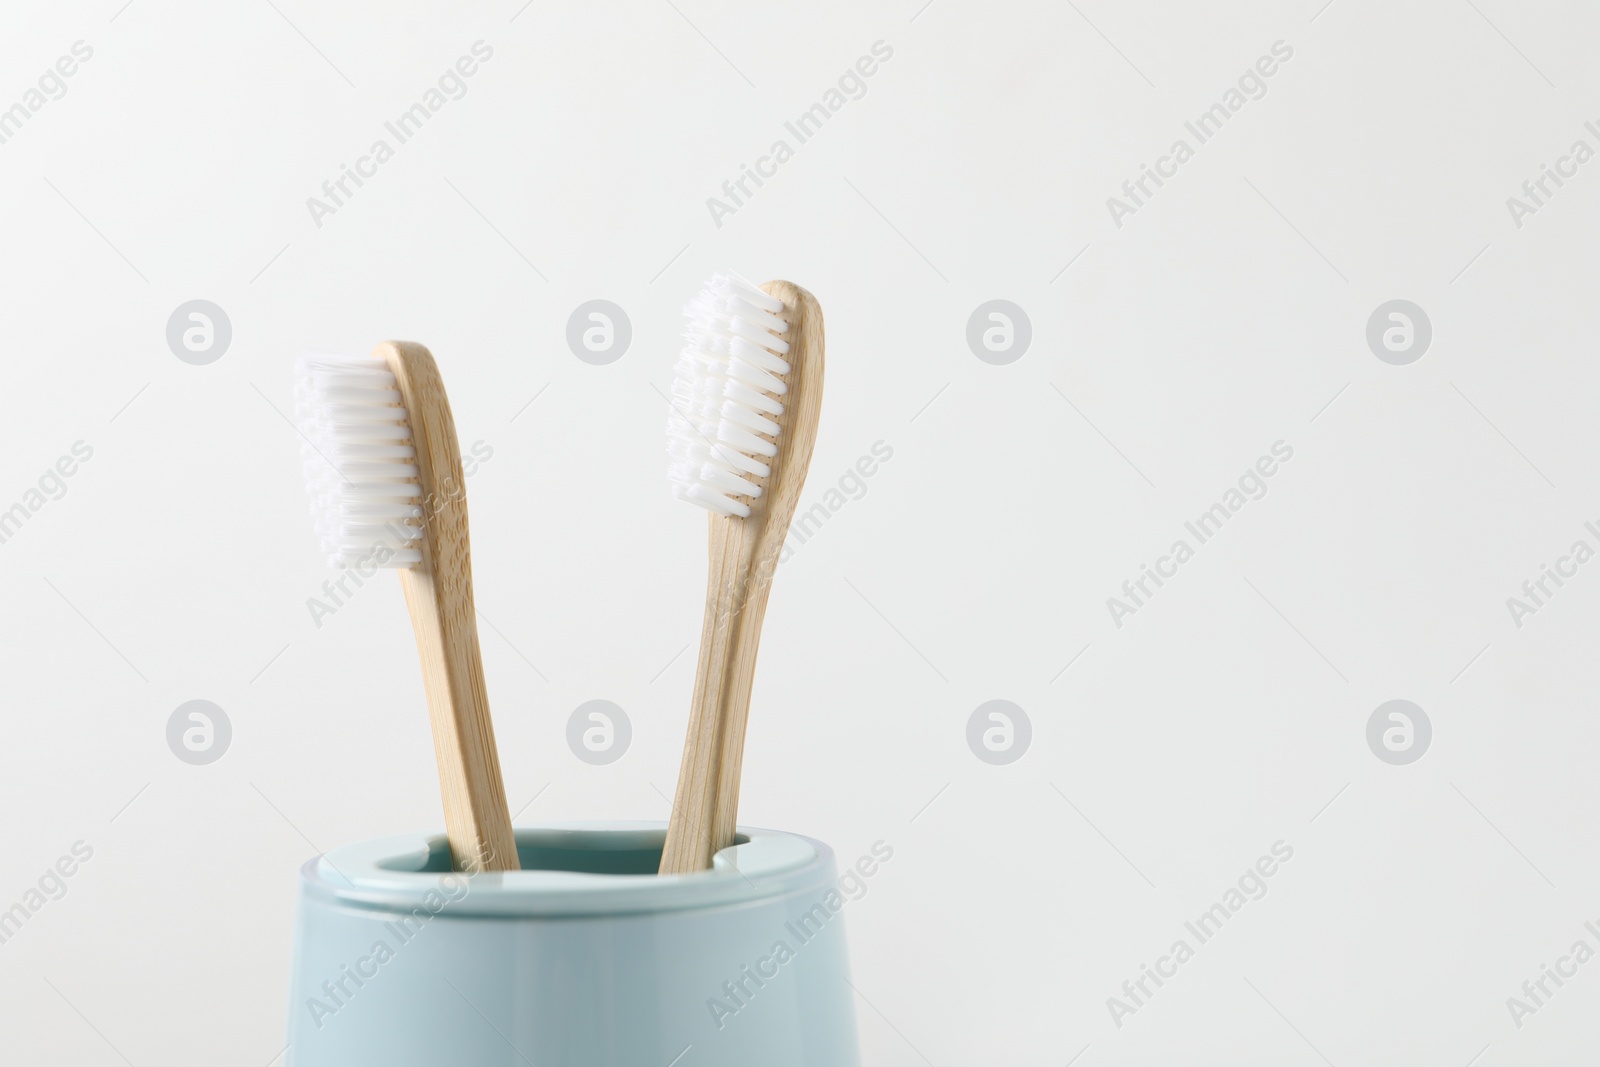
(583, 958)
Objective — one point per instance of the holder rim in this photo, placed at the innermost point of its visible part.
(393, 874)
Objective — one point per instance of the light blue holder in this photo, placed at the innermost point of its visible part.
(584, 958)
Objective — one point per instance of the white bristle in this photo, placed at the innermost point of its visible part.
(360, 465)
(720, 428)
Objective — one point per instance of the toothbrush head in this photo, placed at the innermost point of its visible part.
(360, 461)
(722, 429)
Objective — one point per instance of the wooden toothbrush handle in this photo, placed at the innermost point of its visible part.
(802, 412)
(439, 595)
(690, 844)
(743, 559)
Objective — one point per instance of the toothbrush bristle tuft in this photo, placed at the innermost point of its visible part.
(360, 461)
(722, 426)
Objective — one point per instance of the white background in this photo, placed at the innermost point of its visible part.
(1227, 314)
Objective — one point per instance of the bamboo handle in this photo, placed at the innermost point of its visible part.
(439, 595)
(743, 557)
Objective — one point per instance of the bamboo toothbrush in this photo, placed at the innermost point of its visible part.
(384, 471)
(738, 450)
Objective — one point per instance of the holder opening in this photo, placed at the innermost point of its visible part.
(568, 869)
(575, 851)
